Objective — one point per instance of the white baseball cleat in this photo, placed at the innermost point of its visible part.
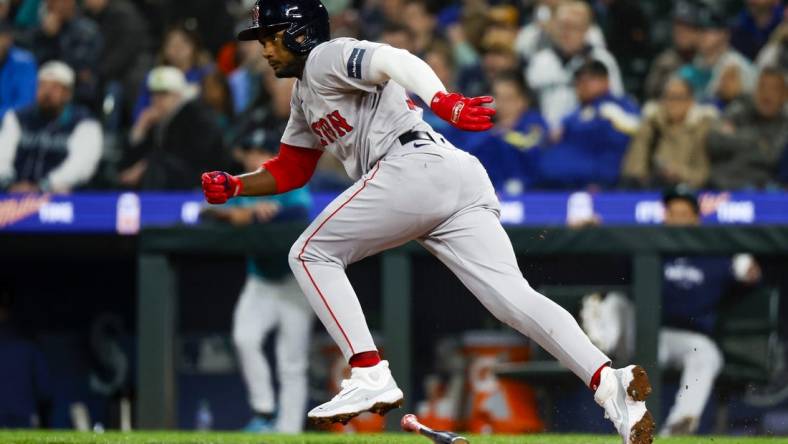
(622, 393)
(369, 389)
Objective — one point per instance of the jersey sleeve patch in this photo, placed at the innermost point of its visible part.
(354, 63)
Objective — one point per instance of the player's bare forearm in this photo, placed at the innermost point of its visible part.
(258, 183)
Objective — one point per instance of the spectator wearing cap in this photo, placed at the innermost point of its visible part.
(17, 72)
(174, 140)
(686, 33)
(594, 136)
(719, 73)
(507, 151)
(754, 25)
(181, 48)
(550, 72)
(746, 147)
(270, 300)
(65, 34)
(670, 145)
(52, 145)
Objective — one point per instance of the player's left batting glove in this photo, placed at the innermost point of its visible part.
(466, 113)
(219, 186)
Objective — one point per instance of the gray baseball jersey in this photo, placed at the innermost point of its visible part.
(335, 108)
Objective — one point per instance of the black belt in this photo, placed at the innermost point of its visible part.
(411, 136)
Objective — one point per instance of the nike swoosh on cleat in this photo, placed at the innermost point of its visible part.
(419, 145)
(344, 395)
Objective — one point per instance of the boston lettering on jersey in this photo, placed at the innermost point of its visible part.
(331, 127)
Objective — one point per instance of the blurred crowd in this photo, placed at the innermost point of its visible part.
(595, 94)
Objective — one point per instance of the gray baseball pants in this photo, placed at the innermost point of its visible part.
(443, 198)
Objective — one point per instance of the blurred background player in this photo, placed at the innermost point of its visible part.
(692, 288)
(270, 300)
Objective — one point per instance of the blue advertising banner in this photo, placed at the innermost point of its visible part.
(126, 213)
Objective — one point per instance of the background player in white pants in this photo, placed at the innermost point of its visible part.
(350, 100)
(270, 300)
(692, 288)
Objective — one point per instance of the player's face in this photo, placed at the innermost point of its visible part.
(282, 60)
(679, 213)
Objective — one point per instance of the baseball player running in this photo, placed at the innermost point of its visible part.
(412, 184)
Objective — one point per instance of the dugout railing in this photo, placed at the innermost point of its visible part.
(157, 304)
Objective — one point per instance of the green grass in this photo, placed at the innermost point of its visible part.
(25, 437)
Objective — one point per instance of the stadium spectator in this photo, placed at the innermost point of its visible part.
(685, 34)
(52, 145)
(245, 81)
(718, 72)
(211, 20)
(775, 53)
(65, 34)
(17, 72)
(175, 139)
(25, 14)
(669, 147)
(376, 15)
(398, 36)
(551, 70)
(594, 136)
(441, 59)
(507, 151)
(421, 23)
(745, 148)
(692, 289)
(496, 58)
(269, 108)
(215, 92)
(627, 31)
(25, 383)
(536, 35)
(124, 57)
(181, 49)
(270, 300)
(754, 25)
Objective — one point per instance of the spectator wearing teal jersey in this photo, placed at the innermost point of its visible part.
(270, 299)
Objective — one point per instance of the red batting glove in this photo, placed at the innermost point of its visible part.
(219, 186)
(466, 113)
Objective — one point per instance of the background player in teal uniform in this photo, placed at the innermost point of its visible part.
(270, 299)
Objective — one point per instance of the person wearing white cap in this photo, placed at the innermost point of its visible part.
(174, 137)
(52, 145)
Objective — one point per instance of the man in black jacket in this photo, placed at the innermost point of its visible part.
(175, 138)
